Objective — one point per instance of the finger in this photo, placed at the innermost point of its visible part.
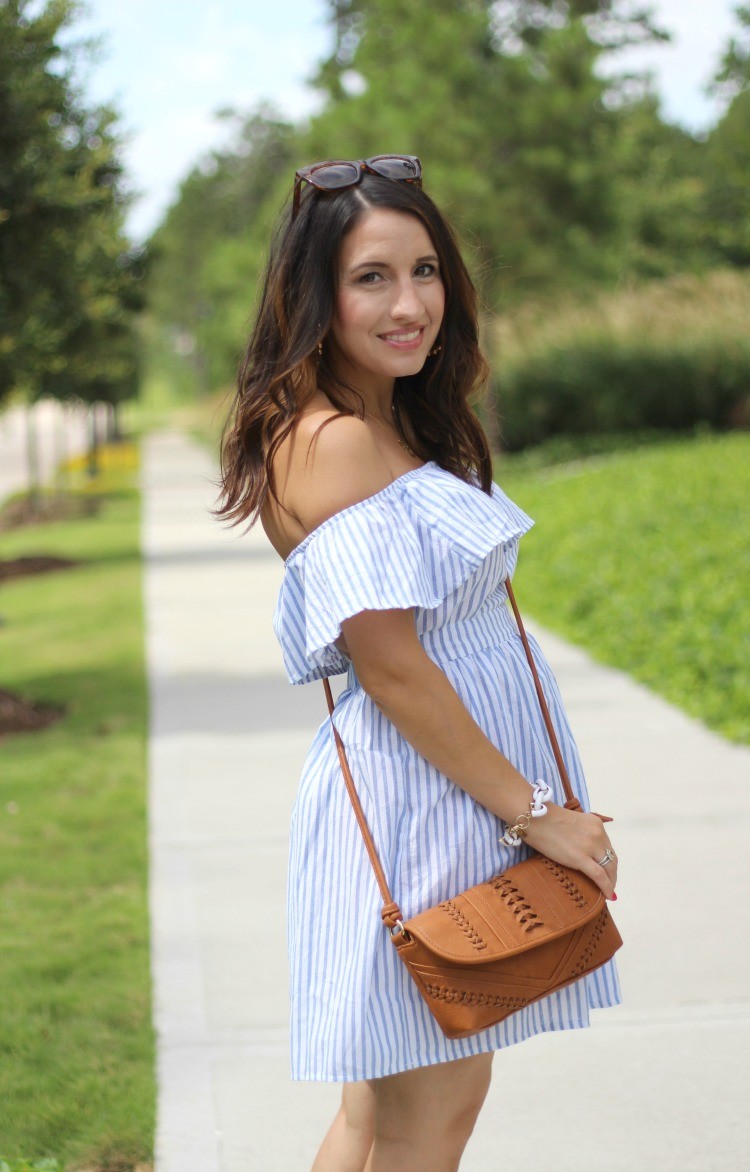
(610, 866)
(611, 871)
(607, 884)
(601, 877)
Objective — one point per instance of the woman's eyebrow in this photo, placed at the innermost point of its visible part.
(381, 264)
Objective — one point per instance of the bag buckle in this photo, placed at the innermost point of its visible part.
(398, 929)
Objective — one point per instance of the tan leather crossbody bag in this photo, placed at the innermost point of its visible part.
(497, 947)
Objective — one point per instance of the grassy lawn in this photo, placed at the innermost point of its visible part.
(643, 558)
(76, 1044)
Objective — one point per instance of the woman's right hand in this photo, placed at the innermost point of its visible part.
(576, 840)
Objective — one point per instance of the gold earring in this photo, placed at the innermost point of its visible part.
(435, 350)
(320, 349)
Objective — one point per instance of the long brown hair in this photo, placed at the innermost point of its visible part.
(283, 367)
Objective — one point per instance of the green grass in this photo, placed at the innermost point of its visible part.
(76, 1043)
(643, 558)
(30, 1166)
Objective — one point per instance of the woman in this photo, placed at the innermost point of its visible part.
(353, 440)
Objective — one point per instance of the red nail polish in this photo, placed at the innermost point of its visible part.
(614, 896)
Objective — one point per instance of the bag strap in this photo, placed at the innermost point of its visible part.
(571, 801)
(391, 913)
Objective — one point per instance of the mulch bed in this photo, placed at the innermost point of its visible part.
(33, 564)
(20, 715)
(17, 714)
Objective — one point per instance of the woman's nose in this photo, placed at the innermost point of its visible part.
(407, 303)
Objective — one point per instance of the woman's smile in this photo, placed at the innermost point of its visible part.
(404, 340)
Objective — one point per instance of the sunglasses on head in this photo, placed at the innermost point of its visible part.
(336, 174)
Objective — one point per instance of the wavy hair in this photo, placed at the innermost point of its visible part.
(283, 368)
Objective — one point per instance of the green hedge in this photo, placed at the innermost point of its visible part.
(671, 355)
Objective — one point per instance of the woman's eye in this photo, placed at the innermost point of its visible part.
(426, 270)
(369, 278)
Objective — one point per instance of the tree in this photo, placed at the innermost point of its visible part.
(503, 103)
(206, 254)
(727, 156)
(560, 179)
(733, 75)
(660, 195)
(69, 282)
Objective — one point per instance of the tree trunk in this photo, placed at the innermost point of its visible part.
(62, 450)
(114, 431)
(32, 458)
(93, 453)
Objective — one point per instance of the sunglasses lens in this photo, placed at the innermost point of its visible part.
(333, 175)
(396, 166)
(340, 173)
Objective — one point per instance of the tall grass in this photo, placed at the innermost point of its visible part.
(670, 354)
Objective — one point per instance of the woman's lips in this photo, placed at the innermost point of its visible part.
(404, 339)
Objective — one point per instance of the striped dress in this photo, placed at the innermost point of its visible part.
(432, 542)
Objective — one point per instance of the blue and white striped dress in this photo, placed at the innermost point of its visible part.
(435, 543)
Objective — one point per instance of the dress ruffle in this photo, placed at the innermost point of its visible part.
(410, 545)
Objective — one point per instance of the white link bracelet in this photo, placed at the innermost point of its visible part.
(540, 793)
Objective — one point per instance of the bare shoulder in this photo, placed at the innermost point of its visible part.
(333, 462)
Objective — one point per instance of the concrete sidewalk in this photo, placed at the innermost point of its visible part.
(660, 1083)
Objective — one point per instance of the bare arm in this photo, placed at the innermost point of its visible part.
(339, 469)
(419, 699)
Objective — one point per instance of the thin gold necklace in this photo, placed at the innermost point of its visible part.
(393, 427)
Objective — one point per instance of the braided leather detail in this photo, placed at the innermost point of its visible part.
(566, 882)
(514, 900)
(465, 925)
(597, 931)
(462, 997)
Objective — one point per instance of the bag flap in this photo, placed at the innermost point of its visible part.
(530, 904)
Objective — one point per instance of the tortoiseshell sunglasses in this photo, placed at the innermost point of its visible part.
(336, 174)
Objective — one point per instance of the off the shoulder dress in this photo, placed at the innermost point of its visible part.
(432, 542)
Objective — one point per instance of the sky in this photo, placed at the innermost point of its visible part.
(168, 66)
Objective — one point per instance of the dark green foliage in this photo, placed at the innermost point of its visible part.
(733, 76)
(595, 388)
(509, 121)
(68, 280)
(206, 256)
(727, 184)
(670, 356)
(726, 162)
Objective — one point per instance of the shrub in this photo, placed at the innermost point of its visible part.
(670, 355)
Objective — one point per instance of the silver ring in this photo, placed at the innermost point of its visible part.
(609, 857)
